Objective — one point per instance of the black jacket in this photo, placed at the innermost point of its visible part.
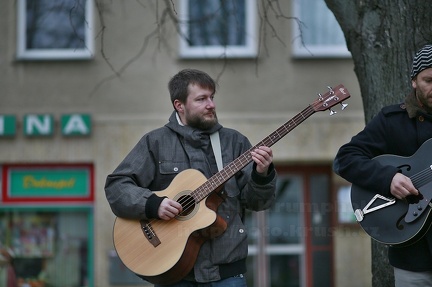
(397, 130)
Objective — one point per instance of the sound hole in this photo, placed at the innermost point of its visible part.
(188, 204)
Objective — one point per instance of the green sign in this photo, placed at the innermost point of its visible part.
(38, 125)
(49, 183)
(7, 125)
(76, 124)
(42, 125)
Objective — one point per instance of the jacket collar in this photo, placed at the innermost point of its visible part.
(413, 107)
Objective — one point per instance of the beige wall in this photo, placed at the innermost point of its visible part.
(255, 97)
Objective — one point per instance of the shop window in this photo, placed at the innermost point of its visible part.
(218, 29)
(50, 30)
(47, 248)
(319, 34)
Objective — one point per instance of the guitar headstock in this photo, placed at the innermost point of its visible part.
(333, 97)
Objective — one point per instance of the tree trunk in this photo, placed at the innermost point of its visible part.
(382, 272)
(382, 36)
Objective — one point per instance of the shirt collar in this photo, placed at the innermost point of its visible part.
(178, 119)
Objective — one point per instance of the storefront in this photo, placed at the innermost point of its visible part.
(46, 224)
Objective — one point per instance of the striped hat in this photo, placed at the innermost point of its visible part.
(422, 60)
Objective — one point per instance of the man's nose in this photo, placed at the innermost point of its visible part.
(211, 104)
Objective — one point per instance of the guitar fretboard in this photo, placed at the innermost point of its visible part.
(239, 163)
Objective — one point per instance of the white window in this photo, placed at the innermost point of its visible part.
(55, 29)
(218, 29)
(319, 34)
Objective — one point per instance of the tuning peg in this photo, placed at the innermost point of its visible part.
(343, 106)
(332, 112)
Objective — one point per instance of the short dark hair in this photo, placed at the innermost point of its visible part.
(179, 83)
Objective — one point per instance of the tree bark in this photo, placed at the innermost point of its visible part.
(382, 272)
(382, 36)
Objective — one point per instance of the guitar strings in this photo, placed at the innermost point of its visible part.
(422, 177)
(188, 202)
(419, 179)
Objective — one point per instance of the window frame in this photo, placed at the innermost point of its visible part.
(302, 50)
(23, 53)
(249, 50)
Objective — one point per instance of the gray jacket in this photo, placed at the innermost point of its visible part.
(160, 155)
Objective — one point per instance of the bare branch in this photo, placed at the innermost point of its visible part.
(269, 13)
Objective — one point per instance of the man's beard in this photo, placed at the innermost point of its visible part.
(423, 100)
(200, 123)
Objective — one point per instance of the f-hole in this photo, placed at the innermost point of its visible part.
(400, 223)
(407, 167)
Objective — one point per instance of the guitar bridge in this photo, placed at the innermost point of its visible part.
(149, 233)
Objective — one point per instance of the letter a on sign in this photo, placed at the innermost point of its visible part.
(75, 124)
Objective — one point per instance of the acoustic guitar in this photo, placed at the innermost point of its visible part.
(398, 222)
(164, 252)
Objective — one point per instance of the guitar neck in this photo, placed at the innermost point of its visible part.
(244, 159)
(324, 102)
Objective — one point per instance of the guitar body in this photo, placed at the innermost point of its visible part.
(180, 239)
(398, 222)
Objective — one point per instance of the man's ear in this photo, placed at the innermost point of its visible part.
(178, 106)
(414, 83)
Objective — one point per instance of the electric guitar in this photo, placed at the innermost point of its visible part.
(164, 252)
(398, 222)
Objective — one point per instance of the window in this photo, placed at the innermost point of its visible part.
(46, 224)
(291, 244)
(55, 29)
(49, 247)
(320, 34)
(218, 29)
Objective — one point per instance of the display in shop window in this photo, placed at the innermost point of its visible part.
(32, 236)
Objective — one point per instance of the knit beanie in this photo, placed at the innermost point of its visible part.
(422, 60)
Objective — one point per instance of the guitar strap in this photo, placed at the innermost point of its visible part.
(215, 142)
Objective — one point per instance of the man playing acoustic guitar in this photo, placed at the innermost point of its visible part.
(398, 130)
(161, 160)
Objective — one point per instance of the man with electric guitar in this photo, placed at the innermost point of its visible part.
(389, 164)
(204, 247)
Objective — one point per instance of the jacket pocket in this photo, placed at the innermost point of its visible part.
(171, 167)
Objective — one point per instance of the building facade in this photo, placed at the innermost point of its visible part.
(75, 101)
